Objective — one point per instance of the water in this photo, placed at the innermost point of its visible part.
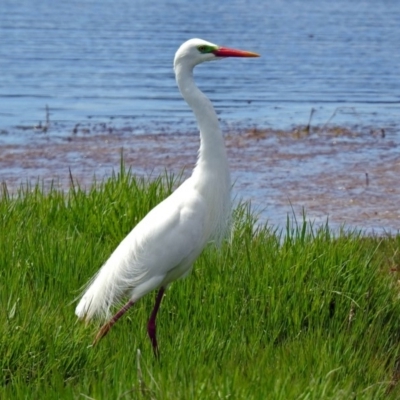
(111, 61)
(114, 58)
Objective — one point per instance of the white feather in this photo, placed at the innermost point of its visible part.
(164, 245)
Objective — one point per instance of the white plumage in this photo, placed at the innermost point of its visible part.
(163, 246)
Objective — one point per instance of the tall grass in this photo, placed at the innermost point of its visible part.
(298, 314)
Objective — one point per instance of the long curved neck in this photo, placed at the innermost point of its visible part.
(212, 147)
(211, 175)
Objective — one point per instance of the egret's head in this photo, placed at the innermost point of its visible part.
(196, 51)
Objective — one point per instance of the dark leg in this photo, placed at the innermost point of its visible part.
(107, 326)
(151, 325)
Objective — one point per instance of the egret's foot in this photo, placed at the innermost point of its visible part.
(156, 353)
(102, 332)
(107, 326)
(151, 325)
(151, 330)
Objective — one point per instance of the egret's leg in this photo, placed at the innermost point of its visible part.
(107, 326)
(151, 325)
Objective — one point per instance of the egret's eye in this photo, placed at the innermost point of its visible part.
(203, 48)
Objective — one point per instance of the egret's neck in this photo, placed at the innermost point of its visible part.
(212, 147)
(211, 175)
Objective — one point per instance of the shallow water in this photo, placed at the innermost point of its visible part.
(96, 60)
(325, 172)
(104, 69)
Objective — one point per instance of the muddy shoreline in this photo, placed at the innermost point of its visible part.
(348, 175)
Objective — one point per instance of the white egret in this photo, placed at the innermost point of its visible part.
(163, 246)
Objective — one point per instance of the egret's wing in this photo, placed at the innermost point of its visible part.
(166, 241)
(171, 234)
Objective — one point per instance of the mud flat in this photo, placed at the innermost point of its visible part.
(349, 175)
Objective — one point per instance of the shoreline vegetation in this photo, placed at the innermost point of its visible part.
(298, 313)
(347, 173)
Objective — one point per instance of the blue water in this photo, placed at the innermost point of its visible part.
(95, 60)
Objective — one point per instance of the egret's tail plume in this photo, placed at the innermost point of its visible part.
(102, 292)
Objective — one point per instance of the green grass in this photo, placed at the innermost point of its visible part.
(298, 314)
